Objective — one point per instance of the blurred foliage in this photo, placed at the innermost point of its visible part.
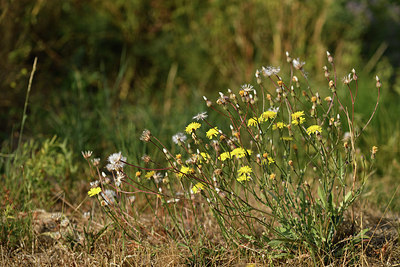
(138, 48)
(31, 177)
(35, 170)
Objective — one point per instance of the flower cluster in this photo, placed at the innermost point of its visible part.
(280, 162)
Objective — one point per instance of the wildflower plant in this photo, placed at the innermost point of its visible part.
(281, 179)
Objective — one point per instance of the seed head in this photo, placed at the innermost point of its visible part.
(87, 154)
(96, 162)
(201, 116)
(115, 162)
(146, 136)
(146, 158)
(179, 138)
(298, 64)
(347, 79)
(269, 71)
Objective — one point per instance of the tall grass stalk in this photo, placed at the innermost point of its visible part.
(24, 116)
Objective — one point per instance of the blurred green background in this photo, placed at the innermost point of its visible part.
(108, 69)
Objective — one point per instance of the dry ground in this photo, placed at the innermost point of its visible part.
(60, 240)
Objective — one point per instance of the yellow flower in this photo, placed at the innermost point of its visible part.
(224, 156)
(149, 174)
(373, 151)
(204, 156)
(94, 191)
(197, 188)
(268, 161)
(184, 170)
(252, 122)
(301, 120)
(297, 118)
(240, 152)
(244, 170)
(314, 129)
(212, 132)
(278, 125)
(243, 178)
(269, 114)
(192, 127)
(297, 115)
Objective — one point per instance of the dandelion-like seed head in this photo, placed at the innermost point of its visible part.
(201, 116)
(269, 71)
(179, 138)
(108, 197)
(297, 64)
(158, 177)
(118, 179)
(115, 162)
(146, 136)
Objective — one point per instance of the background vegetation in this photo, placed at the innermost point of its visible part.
(108, 69)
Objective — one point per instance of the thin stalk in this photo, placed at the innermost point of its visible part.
(24, 116)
